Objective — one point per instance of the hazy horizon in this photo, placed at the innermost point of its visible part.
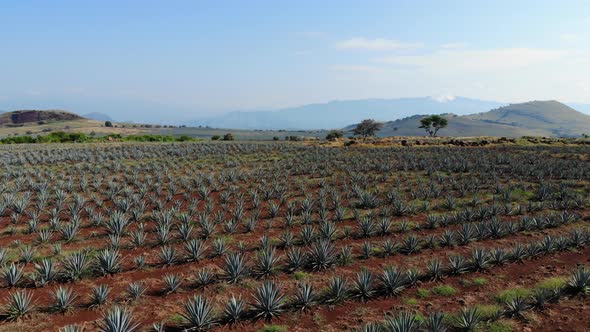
(184, 60)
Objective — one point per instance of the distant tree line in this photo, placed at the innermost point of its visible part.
(110, 124)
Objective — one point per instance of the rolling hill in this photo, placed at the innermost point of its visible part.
(536, 118)
(550, 116)
(22, 117)
(40, 122)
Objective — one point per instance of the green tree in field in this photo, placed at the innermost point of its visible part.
(108, 124)
(433, 124)
(367, 127)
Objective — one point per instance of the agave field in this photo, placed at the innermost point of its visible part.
(289, 237)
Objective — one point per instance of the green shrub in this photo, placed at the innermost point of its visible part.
(444, 290)
(300, 275)
(498, 326)
(411, 301)
(512, 293)
(489, 311)
(422, 292)
(480, 281)
(553, 283)
(184, 138)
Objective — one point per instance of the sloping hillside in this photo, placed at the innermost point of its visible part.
(537, 118)
(458, 127)
(29, 116)
(551, 116)
(37, 122)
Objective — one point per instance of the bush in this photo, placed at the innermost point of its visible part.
(553, 283)
(55, 137)
(150, 138)
(422, 292)
(228, 137)
(445, 290)
(489, 311)
(480, 281)
(18, 140)
(62, 137)
(215, 137)
(512, 293)
(108, 124)
(113, 136)
(335, 134)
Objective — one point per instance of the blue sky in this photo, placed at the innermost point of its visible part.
(200, 57)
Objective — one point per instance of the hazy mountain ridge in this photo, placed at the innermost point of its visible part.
(337, 114)
(535, 118)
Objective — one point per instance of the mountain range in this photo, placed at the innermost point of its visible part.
(401, 117)
(337, 114)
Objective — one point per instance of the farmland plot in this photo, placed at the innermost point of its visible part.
(287, 237)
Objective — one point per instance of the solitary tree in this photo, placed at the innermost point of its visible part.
(433, 124)
(367, 127)
(108, 124)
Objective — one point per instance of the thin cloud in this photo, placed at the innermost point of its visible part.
(378, 44)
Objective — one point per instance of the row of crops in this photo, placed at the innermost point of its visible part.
(214, 235)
